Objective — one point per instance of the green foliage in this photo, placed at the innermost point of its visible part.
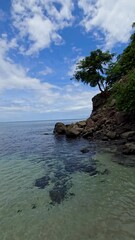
(124, 92)
(92, 69)
(127, 59)
(125, 62)
(97, 69)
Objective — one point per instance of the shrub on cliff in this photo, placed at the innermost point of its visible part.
(124, 92)
(125, 62)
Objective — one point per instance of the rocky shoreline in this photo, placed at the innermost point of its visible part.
(105, 124)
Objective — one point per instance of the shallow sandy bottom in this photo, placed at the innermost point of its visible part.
(97, 207)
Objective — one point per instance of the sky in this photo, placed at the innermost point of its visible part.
(40, 43)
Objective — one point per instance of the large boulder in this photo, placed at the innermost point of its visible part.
(73, 132)
(129, 148)
(111, 135)
(81, 124)
(88, 134)
(59, 128)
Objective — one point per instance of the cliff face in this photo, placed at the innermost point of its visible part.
(106, 123)
(110, 123)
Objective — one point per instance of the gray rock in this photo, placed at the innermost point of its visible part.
(88, 134)
(81, 123)
(90, 123)
(120, 117)
(96, 117)
(113, 102)
(129, 148)
(73, 132)
(111, 135)
(104, 138)
(59, 128)
(128, 134)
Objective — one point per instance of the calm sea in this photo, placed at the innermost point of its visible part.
(50, 190)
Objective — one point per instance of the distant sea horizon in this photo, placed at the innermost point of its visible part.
(46, 120)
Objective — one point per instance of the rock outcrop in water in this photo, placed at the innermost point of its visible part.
(106, 123)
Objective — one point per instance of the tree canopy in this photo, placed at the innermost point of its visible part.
(99, 69)
(92, 69)
(125, 62)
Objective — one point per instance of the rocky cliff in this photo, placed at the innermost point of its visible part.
(106, 123)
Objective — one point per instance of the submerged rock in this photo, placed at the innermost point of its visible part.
(106, 171)
(84, 150)
(42, 182)
(124, 159)
(129, 148)
(19, 211)
(58, 193)
(34, 206)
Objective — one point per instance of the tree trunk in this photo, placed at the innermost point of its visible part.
(99, 87)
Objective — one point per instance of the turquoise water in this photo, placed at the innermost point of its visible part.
(50, 190)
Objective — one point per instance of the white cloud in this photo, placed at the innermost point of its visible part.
(46, 71)
(69, 101)
(21, 94)
(40, 21)
(114, 18)
(13, 76)
(76, 50)
(73, 64)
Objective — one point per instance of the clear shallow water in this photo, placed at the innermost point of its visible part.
(50, 190)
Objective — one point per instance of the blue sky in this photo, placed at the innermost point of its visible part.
(40, 43)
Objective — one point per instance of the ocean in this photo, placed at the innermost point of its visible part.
(50, 190)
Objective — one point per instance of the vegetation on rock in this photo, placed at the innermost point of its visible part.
(124, 92)
(98, 69)
(125, 63)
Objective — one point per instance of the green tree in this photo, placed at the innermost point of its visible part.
(92, 69)
(125, 62)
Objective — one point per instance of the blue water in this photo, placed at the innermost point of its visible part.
(50, 190)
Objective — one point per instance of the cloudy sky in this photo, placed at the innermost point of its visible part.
(40, 43)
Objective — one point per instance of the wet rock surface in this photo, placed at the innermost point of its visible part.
(106, 123)
(59, 128)
(129, 148)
